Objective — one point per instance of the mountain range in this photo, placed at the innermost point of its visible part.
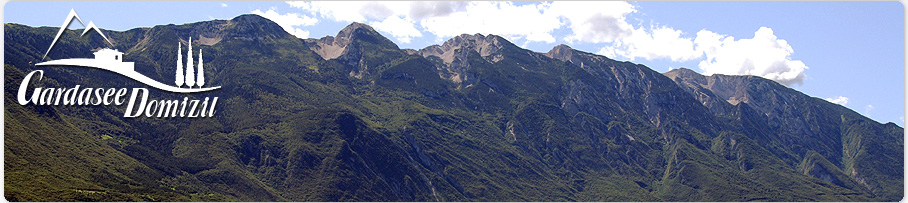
(353, 117)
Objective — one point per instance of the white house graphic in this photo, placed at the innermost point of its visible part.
(109, 54)
(114, 59)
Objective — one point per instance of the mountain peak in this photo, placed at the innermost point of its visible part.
(561, 47)
(249, 18)
(251, 27)
(561, 52)
(485, 45)
(477, 40)
(354, 26)
(354, 30)
(454, 52)
(683, 73)
(684, 76)
(388, 117)
(331, 47)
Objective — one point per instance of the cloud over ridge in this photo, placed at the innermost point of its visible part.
(288, 21)
(839, 100)
(601, 23)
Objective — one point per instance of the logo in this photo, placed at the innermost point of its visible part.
(112, 60)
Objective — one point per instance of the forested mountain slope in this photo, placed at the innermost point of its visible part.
(355, 118)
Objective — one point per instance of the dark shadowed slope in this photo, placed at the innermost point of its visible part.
(355, 118)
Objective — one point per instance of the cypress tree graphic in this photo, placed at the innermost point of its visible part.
(201, 73)
(179, 79)
(190, 76)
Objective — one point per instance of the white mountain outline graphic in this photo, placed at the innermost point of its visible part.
(112, 60)
(69, 19)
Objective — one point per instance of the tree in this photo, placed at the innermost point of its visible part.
(201, 80)
(190, 75)
(179, 79)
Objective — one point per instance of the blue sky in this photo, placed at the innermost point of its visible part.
(848, 52)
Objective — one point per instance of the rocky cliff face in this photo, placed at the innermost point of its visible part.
(353, 117)
(330, 47)
(357, 46)
(561, 52)
(451, 57)
(721, 105)
(798, 128)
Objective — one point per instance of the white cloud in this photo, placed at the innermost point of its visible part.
(353, 11)
(399, 28)
(427, 9)
(594, 21)
(223, 5)
(299, 33)
(289, 21)
(763, 55)
(867, 110)
(390, 17)
(529, 22)
(604, 23)
(443, 19)
(298, 4)
(658, 43)
(840, 100)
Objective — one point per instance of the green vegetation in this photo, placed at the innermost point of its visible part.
(378, 124)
